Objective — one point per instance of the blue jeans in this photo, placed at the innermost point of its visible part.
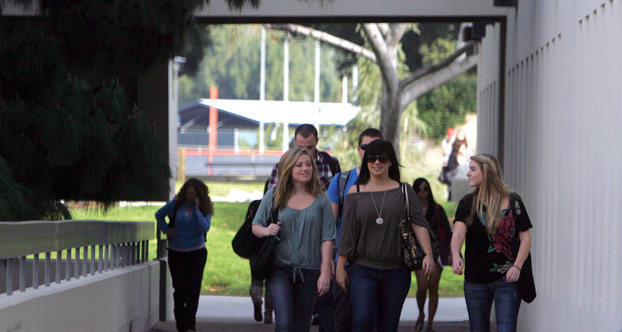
(377, 294)
(294, 293)
(479, 298)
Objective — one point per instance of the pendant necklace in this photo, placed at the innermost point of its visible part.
(379, 221)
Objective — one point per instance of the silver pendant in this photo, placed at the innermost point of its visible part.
(379, 221)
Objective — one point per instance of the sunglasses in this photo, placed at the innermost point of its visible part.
(422, 188)
(381, 158)
(364, 146)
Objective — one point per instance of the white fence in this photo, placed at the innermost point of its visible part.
(78, 276)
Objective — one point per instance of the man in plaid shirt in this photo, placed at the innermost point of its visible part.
(306, 136)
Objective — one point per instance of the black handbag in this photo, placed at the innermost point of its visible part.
(244, 241)
(411, 250)
(262, 260)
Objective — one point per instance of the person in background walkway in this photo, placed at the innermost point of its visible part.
(302, 262)
(458, 162)
(306, 136)
(337, 191)
(439, 225)
(371, 241)
(461, 149)
(190, 214)
(446, 145)
(496, 226)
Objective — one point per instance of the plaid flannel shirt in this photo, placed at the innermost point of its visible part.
(323, 171)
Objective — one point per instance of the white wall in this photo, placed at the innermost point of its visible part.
(121, 300)
(562, 117)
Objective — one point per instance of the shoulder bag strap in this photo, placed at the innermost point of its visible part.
(406, 205)
(441, 231)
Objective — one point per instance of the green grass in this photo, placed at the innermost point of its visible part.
(225, 272)
(221, 189)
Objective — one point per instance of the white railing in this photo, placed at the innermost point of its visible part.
(80, 247)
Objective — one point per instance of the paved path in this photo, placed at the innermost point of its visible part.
(234, 314)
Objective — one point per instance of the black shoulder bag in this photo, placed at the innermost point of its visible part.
(526, 283)
(411, 250)
(242, 242)
(261, 261)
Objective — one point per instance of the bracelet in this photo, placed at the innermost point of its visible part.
(516, 266)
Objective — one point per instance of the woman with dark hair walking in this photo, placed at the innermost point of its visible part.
(190, 214)
(439, 225)
(371, 241)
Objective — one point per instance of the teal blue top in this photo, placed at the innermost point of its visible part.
(302, 231)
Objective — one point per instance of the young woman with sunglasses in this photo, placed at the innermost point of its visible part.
(439, 225)
(496, 226)
(370, 241)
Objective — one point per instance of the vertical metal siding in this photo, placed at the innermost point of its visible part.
(563, 125)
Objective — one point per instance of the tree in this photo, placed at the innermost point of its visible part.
(67, 129)
(232, 63)
(397, 92)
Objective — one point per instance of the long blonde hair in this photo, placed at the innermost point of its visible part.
(490, 193)
(285, 187)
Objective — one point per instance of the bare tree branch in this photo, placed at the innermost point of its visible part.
(397, 32)
(325, 37)
(387, 63)
(384, 29)
(438, 78)
(421, 72)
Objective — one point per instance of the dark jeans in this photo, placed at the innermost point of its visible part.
(343, 309)
(479, 298)
(187, 273)
(294, 292)
(256, 282)
(377, 293)
(325, 308)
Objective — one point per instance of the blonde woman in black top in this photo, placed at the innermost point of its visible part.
(370, 240)
(496, 226)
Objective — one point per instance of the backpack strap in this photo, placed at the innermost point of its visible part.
(332, 163)
(342, 181)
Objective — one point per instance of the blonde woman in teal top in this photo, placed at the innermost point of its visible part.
(306, 228)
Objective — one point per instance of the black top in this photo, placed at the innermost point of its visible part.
(489, 257)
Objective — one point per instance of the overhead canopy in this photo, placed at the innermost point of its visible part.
(273, 111)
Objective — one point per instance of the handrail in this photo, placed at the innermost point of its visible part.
(30, 237)
(89, 247)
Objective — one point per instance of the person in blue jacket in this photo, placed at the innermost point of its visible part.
(190, 214)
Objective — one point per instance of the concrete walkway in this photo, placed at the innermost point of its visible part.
(235, 314)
